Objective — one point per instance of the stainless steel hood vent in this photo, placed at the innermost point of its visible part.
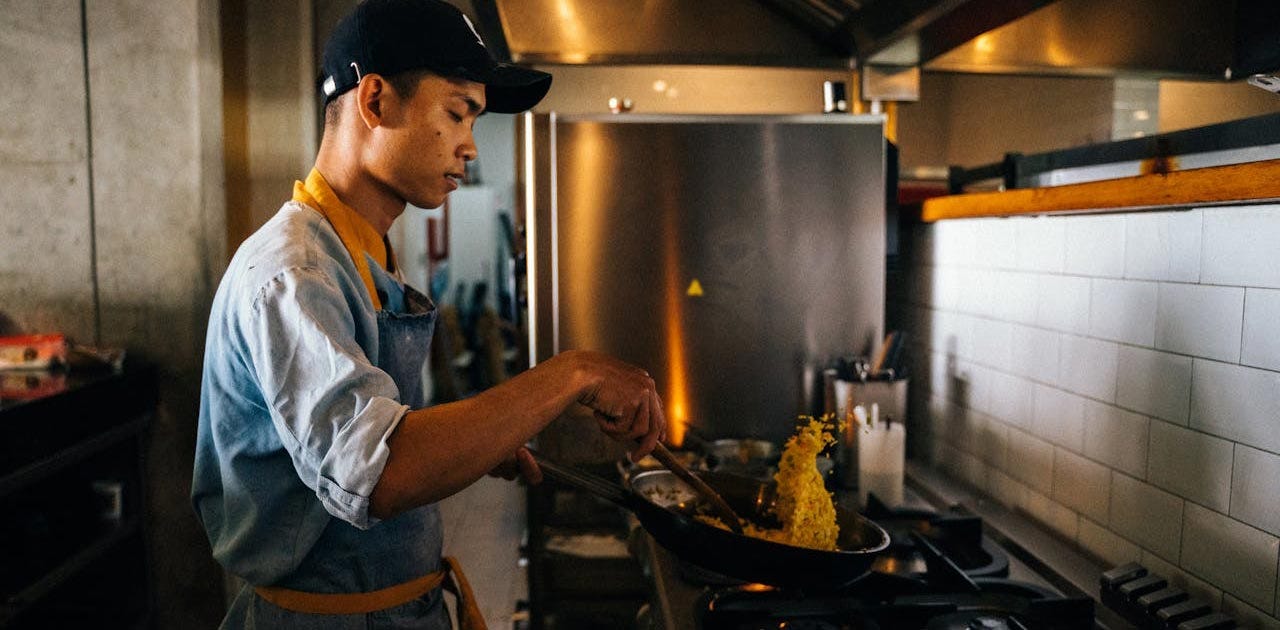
(793, 33)
(1157, 38)
(1196, 39)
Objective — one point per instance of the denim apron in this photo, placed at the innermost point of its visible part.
(346, 560)
(349, 560)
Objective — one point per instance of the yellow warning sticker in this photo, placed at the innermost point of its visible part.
(695, 289)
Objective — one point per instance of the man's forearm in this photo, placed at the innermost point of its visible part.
(437, 451)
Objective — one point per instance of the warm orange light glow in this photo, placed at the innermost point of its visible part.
(677, 397)
(587, 238)
(985, 44)
(756, 587)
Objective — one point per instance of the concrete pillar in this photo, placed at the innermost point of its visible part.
(46, 253)
(156, 114)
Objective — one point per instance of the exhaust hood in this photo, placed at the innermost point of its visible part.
(1199, 39)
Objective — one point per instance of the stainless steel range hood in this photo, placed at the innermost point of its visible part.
(1158, 38)
(794, 33)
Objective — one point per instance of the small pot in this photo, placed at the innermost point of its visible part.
(743, 456)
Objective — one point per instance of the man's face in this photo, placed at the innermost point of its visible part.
(426, 141)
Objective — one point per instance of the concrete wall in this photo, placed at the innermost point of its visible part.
(112, 221)
(1114, 376)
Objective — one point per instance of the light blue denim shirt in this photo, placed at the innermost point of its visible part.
(294, 413)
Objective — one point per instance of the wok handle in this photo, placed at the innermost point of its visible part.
(584, 481)
(722, 509)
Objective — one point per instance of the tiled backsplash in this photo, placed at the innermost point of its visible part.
(1115, 376)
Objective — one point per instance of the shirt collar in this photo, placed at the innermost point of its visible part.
(360, 238)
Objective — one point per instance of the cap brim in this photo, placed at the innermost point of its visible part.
(510, 89)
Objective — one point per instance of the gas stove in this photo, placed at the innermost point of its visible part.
(941, 571)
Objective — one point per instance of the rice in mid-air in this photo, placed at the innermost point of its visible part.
(803, 504)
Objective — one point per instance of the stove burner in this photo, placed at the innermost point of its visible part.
(883, 601)
(963, 621)
(958, 536)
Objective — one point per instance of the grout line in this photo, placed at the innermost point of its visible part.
(93, 219)
(1231, 479)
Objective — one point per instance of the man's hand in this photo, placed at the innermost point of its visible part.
(624, 400)
(520, 464)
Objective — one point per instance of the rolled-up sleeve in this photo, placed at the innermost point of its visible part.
(333, 409)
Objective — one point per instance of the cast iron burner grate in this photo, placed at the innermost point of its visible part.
(938, 575)
(891, 602)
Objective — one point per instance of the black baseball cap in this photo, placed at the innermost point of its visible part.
(392, 36)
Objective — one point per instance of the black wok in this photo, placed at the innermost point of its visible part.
(665, 507)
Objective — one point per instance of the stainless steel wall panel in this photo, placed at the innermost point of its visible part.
(780, 220)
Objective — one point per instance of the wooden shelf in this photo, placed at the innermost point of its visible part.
(1254, 182)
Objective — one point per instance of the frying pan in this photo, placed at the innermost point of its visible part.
(665, 507)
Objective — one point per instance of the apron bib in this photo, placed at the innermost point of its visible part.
(343, 582)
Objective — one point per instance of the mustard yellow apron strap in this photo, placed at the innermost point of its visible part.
(469, 616)
(351, 603)
(450, 577)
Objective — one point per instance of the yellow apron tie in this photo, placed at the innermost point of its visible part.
(451, 578)
(355, 232)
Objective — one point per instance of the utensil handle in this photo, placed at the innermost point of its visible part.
(584, 481)
(722, 509)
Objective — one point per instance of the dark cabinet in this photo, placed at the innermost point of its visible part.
(72, 496)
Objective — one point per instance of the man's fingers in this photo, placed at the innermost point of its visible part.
(610, 425)
(650, 438)
(640, 419)
(529, 468)
(660, 416)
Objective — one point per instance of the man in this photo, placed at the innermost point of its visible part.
(317, 465)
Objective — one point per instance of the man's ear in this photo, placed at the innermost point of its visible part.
(371, 95)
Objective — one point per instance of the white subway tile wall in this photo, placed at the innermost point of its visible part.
(1088, 367)
(1154, 383)
(1063, 304)
(1081, 485)
(1239, 558)
(1059, 518)
(1163, 246)
(1260, 346)
(1190, 464)
(1039, 244)
(1241, 404)
(1199, 320)
(1116, 437)
(1123, 310)
(1095, 246)
(1033, 459)
(1034, 353)
(1146, 515)
(1059, 417)
(1116, 377)
(1105, 544)
(1255, 488)
(1240, 246)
